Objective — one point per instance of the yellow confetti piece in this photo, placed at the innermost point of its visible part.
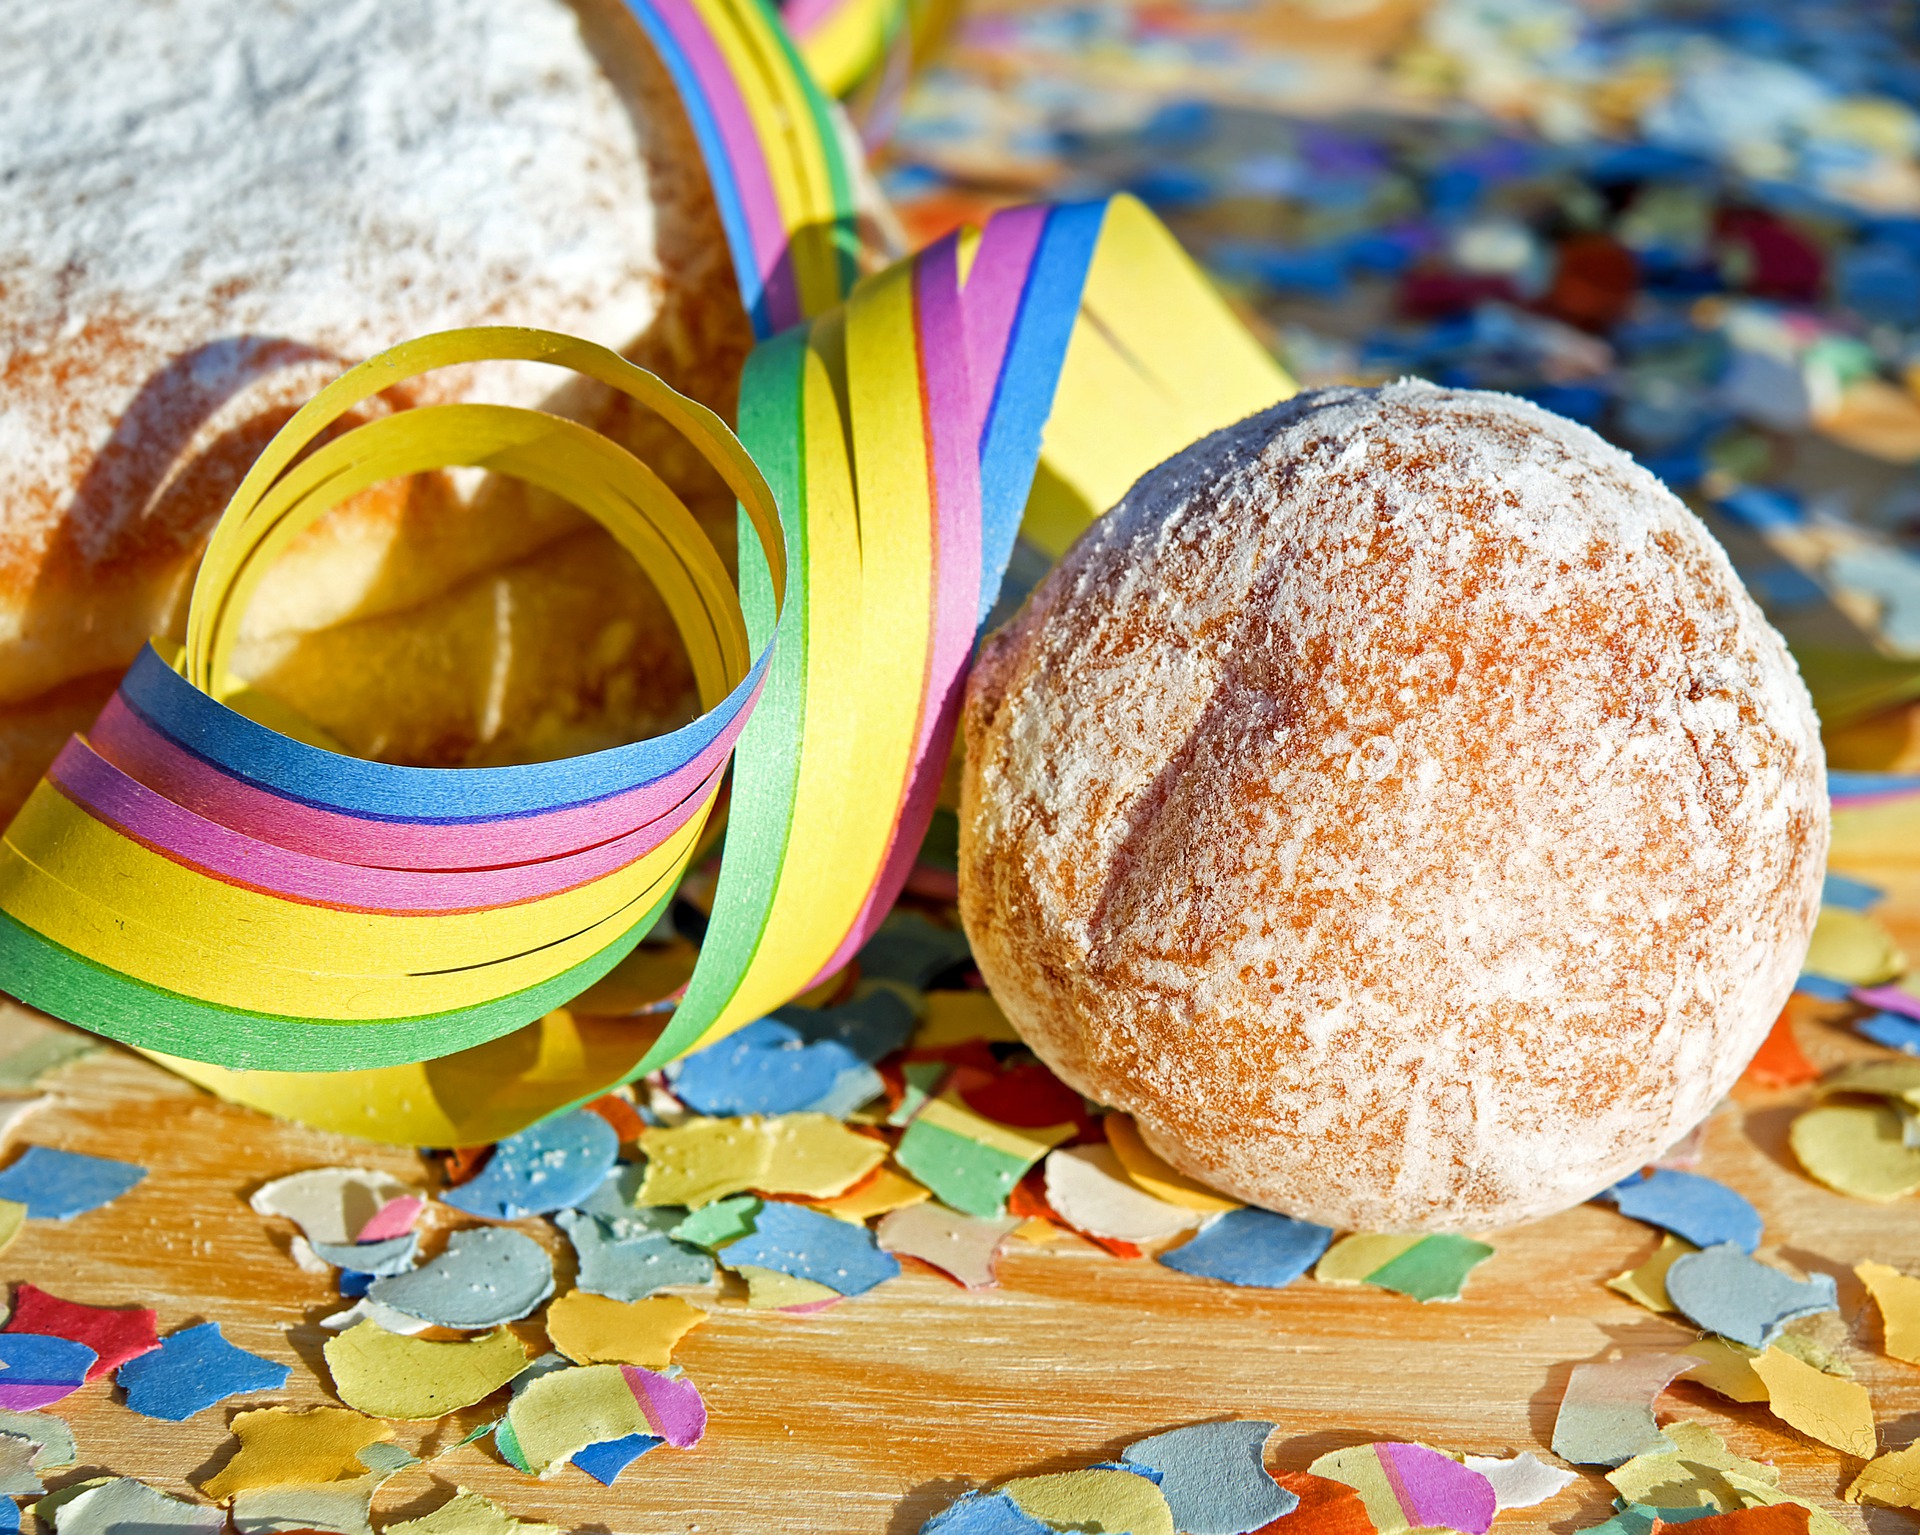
(13, 1216)
(948, 1112)
(1726, 1367)
(883, 1193)
(1898, 1297)
(952, 1017)
(388, 1376)
(1829, 1408)
(817, 1157)
(703, 1160)
(1156, 1176)
(596, 1329)
(1892, 1479)
(1879, 1079)
(1857, 1149)
(769, 1289)
(1351, 1259)
(566, 1411)
(467, 1513)
(1850, 946)
(295, 1447)
(1702, 1472)
(1094, 1500)
(1646, 1285)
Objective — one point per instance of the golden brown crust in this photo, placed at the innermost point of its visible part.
(1397, 805)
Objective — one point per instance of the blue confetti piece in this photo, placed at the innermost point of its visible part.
(191, 1370)
(58, 1185)
(1723, 1290)
(765, 1068)
(486, 1276)
(985, 1513)
(548, 1167)
(392, 1255)
(790, 1239)
(909, 948)
(36, 1370)
(1214, 1477)
(1852, 894)
(1704, 1212)
(1891, 1032)
(606, 1460)
(1252, 1247)
(9, 1517)
(354, 1284)
(630, 1267)
(871, 1026)
(1825, 987)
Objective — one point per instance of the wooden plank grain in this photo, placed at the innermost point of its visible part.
(868, 1418)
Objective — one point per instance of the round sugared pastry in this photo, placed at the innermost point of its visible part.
(1398, 806)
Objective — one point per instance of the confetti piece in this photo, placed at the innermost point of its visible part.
(37, 1371)
(1890, 1031)
(1351, 1259)
(1702, 1211)
(596, 1329)
(1837, 1412)
(364, 1310)
(16, 1469)
(630, 1268)
(1853, 894)
(1524, 1481)
(875, 1022)
(114, 1334)
(1898, 1297)
(606, 1460)
(968, 1161)
(1726, 1368)
(389, 1376)
(1892, 1479)
(713, 1226)
(13, 1217)
(984, 1513)
(814, 1156)
(769, 1067)
(1099, 1499)
(1434, 1268)
(1850, 946)
(791, 1239)
(1091, 1191)
(881, 1192)
(962, 1246)
(770, 1290)
(546, 1167)
(53, 1051)
(330, 1204)
(393, 1255)
(1251, 1247)
(1779, 1062)
(1326, 1507)
(703, 1160)
(1646, 1284)
(486, 1276)
(295, 1447)
(190, 1371)
(467, 1513)
(1858, 1149)
(672, 1405)
(1155, 1176)
(1214, 1477)
(58, 1185)
(334, 1508)
(1882, 1079)
(1722, 1290)
(1409, 1486)
(1606, 1416)
(920, 1080)
(1026, 1095)
(907, 947)
(563, 1412)
(1701, 1472)
(118, 1505)
(50, 1436)
(392, 1220)
(1769, 1519)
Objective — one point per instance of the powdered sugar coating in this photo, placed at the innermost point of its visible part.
(1398, 805)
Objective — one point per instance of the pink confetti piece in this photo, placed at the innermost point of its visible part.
(395, 1218)
(671, 1403)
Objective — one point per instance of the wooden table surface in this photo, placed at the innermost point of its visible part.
(870, 1417)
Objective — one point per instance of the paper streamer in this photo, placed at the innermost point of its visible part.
(256, 909)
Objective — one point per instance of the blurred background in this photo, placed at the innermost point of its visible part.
(1693, 226)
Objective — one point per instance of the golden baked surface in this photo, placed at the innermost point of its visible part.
(1399, 806)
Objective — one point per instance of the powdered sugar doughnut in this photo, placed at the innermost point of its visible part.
(1397, 804)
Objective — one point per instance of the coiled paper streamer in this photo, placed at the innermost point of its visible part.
(338, 941)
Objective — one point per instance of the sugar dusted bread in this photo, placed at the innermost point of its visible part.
(213, 207)
(1396, 804)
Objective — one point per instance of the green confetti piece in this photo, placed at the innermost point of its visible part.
(964, 1175)
(508, 1444)
(1434, 1268)
(922, 1078)
(713, 1226)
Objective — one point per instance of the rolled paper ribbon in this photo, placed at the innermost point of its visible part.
(209, 889)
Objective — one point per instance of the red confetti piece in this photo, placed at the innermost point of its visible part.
(1778, 1062)
(115, 1333)
(1326, 1507)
